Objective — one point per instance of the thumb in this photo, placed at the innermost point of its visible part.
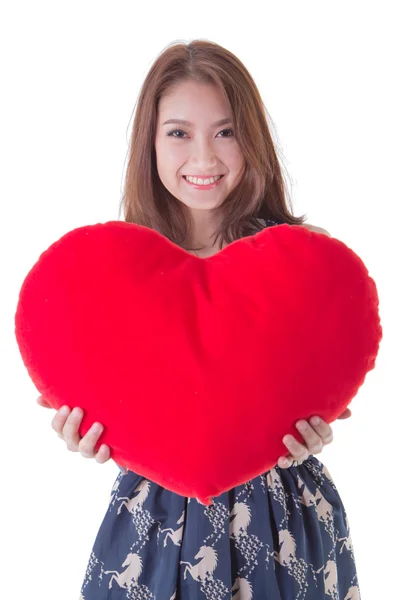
(346, 414)
(42, 402)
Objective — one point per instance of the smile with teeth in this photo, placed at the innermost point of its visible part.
(202, 181)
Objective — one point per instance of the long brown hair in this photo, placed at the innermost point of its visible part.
(261, 191)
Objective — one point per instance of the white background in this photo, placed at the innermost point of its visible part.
(70, 75)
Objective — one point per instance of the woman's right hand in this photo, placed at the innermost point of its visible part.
(66, 424)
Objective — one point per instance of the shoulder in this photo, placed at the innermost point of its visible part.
(316, 229)
(271, 223)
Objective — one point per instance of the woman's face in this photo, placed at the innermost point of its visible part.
(200, 148)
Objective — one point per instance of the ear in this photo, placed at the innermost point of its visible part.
(316, 229)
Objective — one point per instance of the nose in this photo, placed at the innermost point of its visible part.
(203, 156)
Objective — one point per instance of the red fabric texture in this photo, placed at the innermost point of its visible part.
(198, 367)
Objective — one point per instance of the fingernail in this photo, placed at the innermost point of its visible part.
(301, 426)
(96, 428)
(285, 462)
(315, 421)
(64, 410)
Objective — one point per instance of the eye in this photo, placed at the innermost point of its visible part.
(170, 133)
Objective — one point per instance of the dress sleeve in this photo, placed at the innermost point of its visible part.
(272, 222)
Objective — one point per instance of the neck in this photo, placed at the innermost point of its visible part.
(204, 225)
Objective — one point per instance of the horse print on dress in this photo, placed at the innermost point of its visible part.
(262, 524)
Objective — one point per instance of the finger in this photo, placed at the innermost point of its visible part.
(59, 419)
(285, 462)
(89, 440)
(312, 439)
(103, 454)
(298, 451)
(70, 430)
(42, 402)
(323, 429)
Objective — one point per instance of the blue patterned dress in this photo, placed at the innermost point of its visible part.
(281, 536)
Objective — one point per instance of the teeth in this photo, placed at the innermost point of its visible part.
(202, 181)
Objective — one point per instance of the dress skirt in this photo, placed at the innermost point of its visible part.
(281, 536)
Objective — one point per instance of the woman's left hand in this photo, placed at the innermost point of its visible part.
(316, 436)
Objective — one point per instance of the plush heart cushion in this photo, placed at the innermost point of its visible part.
(198, 367)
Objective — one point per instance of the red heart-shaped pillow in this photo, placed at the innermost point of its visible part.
(198, 367)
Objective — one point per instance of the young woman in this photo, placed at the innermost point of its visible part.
(204, 172)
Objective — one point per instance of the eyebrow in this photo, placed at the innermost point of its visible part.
(188, 123)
